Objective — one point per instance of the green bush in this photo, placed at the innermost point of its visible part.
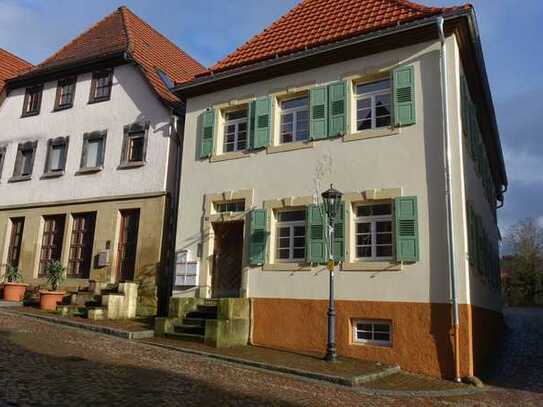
(55, 274)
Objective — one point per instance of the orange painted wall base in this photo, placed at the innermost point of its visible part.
(422, 335)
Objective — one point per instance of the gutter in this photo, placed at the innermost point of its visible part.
(449, 198)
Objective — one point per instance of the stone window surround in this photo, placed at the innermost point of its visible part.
(86, 137)
(29, 145)
(56, 142)
(129, 130)
(369, 74)
(210, 217)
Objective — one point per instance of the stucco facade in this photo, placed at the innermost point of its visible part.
(105, 192)
(373, 166)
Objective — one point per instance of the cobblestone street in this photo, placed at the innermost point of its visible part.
(48, 365)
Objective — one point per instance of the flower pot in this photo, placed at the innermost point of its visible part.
(50, 299)
(14, 291)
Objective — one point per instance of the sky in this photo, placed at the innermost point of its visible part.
(511, 34)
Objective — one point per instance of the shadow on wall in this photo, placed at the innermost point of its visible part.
(57, 378)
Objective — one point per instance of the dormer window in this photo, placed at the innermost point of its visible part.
(235, 131)
(295, 119)
(166, 80)
(65, 93)
(32, 101)
(101, 86)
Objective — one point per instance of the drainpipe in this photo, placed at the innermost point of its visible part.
(448, 194)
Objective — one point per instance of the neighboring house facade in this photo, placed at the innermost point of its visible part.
(358, 105)
(91, 148)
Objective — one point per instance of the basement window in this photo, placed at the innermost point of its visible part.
(372, 332)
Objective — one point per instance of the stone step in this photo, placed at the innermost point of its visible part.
(82, 298)
(185, 337)
(201, 315)
(189, 329)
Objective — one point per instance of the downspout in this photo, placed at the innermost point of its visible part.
(448, 194)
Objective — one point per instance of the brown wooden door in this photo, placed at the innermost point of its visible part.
(227, 259)
(128, 242)
(15, 240)
(51, 243)
(80, 258)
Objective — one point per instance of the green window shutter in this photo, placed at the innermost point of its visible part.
(262, 122)
(315, 235)
(337, 109)
(339, 235)
(319, 113)
(206, 136)
(251, 124)
(406, 230)
(404, 96)
(258, 237)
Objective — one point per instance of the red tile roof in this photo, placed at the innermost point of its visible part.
(10, 66)
(313, 23)
(123, 31)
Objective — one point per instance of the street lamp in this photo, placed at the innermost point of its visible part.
(332, 205)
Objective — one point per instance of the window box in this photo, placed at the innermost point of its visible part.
(372, 332)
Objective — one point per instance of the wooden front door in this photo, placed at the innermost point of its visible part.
(51, 243)
(80, 258)
(128, 242)
(15, 241)
(227, 259)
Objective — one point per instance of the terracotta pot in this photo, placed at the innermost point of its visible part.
(14, 291)
(50, 299)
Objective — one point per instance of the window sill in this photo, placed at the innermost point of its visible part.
(234, 155)
(90, 170)
(100, 100)
(372, 266)
(130, 165)
(29, 114)
(55, 174)
(374, 133)
(20, 178)
(61, 108)
(287, 267)
(296, 145)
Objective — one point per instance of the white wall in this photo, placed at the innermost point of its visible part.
(411, 160)
(131, 99)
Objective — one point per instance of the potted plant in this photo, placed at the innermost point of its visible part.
(14, 289)
(55, 276)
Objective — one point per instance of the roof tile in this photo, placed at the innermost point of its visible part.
(10, 66)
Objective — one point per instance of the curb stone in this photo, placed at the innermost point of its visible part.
(121, 333)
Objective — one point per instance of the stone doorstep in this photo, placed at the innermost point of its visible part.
(353, 381)
(120, 333)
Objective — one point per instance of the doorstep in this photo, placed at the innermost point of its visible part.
(10, 304)
(346, 371)
(122, 329)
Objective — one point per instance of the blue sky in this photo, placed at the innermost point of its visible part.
(511, 33)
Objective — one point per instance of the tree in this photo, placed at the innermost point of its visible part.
(525, 284)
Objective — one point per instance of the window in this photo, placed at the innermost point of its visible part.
(32, 101)
(374, 232)
(92, 156)
(373, 105)
(80, 256)
(235, 131)
(291, 236)
(101, 86)
(295, 120)
(51, 244)
(15, 240)
(2, 158)
(166, 80)
(65, 93)
(24, 161)
(134, 145)
(230, 206)
(373, 332)
(56, 157)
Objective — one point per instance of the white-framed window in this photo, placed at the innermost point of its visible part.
(290, 244)
(373, 104)
(230, 206)
(235, 131)
(372, 332)
(373, 230)
(294, 120)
